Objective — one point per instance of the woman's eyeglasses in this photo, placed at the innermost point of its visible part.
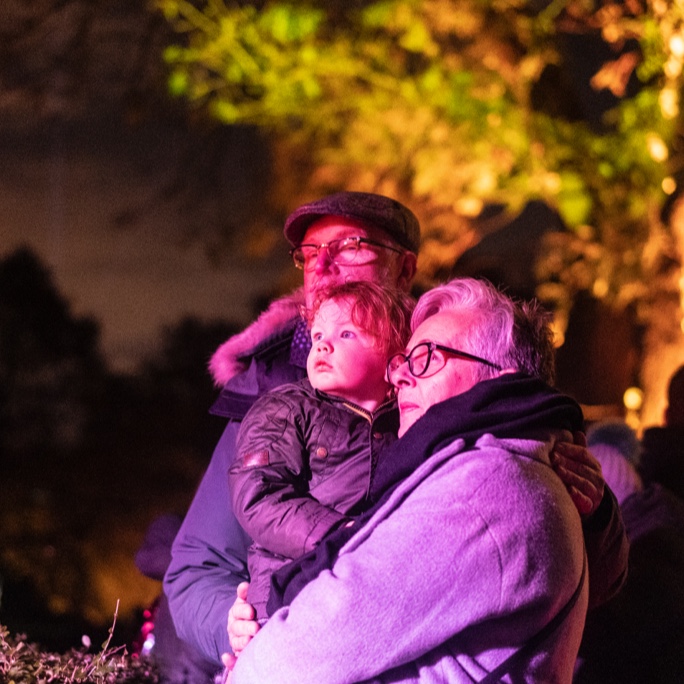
(420, 358)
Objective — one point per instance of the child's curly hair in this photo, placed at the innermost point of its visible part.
(383, 312)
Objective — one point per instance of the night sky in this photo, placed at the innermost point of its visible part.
(88, 133)
(61, 198)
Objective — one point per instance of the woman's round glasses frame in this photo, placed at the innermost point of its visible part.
(342, 252)
(420, 357)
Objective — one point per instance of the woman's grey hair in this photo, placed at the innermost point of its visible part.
(508, 333)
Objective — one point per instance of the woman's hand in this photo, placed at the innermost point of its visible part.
(581, 473)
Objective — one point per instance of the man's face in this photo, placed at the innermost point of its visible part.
(387, 267)
(447, 375)
(344, 360)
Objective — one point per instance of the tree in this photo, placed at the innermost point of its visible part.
(51, 382)
(50, 363)
(67, 59)
(179, 388)
(88, 457)
(455, 106)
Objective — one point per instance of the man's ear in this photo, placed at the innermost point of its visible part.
(407, 271)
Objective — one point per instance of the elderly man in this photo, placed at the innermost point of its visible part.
(471, 565)
(342, 237)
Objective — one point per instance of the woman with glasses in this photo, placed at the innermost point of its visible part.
(470, 566)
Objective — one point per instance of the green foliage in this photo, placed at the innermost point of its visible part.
(287, 61)
(22, 662)
(250, 66)
(439, 102)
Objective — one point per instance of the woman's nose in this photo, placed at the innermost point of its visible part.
(401, 376)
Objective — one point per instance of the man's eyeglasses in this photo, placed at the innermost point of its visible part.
(421, 356)
(350, 251)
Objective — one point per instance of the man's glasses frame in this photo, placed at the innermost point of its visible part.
(397, 360)
(351, 245)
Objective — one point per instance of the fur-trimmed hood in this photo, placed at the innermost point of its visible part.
(232, 357)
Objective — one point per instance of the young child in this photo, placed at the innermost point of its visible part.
(307, 450)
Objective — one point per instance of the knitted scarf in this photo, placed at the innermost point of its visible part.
(508, 406)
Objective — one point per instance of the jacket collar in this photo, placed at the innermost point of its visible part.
(233, 356)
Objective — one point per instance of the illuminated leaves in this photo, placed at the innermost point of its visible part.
(438, 102)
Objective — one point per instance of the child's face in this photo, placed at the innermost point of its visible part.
(344, 360)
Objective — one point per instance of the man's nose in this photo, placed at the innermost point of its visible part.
(323, 261)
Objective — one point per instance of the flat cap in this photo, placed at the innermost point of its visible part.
(385, 213)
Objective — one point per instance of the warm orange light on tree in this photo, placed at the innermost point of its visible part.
(439, 103)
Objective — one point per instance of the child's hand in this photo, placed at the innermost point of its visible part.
(241, 623)
(228, 660)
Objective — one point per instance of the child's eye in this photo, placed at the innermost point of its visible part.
(315, 336)
(347, 335)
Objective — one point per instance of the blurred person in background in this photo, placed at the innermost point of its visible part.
(638, 636)
(177, 662)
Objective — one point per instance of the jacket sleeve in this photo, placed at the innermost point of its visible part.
(269, 480)
(208, 559)
(607, 547)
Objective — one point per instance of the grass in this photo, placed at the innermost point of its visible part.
(22, 662)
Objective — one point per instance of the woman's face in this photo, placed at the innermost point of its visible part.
(452, 375)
